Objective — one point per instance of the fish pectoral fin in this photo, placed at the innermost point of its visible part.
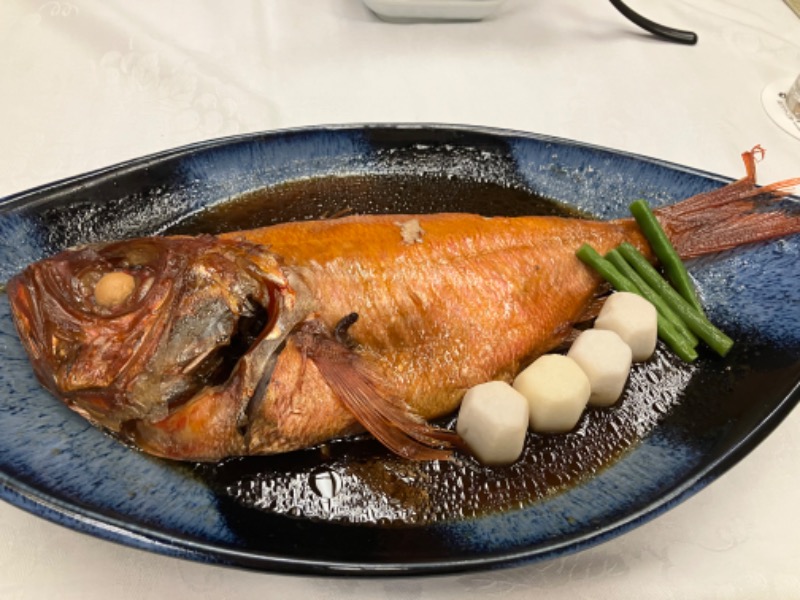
(356, 382)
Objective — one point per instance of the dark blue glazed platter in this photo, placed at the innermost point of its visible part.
(689, 424)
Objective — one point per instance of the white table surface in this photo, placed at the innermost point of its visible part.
(89, 83)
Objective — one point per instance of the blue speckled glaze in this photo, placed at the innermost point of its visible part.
(54, 464)
(602, 182)
(752, 288)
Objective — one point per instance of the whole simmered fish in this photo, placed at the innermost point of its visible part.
(275, 339)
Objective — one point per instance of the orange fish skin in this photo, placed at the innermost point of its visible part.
(461, 300)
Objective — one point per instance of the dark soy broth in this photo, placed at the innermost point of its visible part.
(334, 196)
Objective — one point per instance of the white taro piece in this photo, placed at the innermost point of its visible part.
(492, 421)
(557, 391)
(606, 360)
(634, 319)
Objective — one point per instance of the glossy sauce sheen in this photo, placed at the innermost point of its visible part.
(356, 480)
(370, 194)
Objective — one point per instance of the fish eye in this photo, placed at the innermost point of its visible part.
(114, 288)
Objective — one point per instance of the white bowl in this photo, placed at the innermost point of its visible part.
(433, 10)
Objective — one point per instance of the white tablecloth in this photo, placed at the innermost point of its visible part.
(89, 83)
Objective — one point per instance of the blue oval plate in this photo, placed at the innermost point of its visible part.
(348, 507)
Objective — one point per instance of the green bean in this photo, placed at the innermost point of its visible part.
(664, 250)
(680, 344)
(651, 295)
(666, 330)
(694, 319)
(607, 271)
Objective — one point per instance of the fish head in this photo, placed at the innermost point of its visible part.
(129, 330)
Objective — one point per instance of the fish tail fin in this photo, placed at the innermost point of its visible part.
(735, 214)
(357, 384)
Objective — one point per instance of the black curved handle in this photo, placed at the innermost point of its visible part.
(668, 33)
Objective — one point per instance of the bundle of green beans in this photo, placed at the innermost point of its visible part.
(681, 320)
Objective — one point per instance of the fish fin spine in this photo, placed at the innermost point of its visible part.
(357, 383)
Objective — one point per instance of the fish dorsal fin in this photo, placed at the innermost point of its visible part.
(357, 383)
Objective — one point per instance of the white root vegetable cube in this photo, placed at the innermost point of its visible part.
(634, 319)
(606, 360)
(557, 390)
(492, 420)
